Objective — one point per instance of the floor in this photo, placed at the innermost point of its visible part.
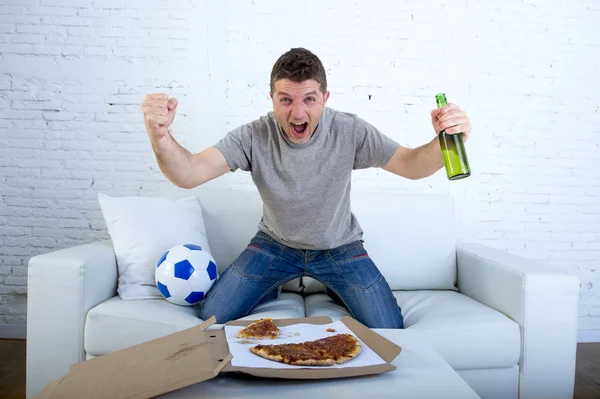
(587, 372)
(12, 370)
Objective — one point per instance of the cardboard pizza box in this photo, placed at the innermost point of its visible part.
(191, 356)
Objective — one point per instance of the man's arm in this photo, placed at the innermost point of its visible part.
(416, 163)
(187, 170)
(177, 164)
(427, 159)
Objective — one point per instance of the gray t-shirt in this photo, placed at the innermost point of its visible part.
(305, 188)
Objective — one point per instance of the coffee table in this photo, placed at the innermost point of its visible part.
(421, 374)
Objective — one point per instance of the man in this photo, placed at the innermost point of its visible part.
(300, 157)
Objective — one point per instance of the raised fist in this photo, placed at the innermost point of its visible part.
(159, 112)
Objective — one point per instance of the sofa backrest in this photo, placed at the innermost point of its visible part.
(411, 237)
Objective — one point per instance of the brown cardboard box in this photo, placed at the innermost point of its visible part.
(191, 356)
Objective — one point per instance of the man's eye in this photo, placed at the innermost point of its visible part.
(310, 99)
(285, 100)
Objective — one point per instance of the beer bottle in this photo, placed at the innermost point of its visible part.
(453, 149)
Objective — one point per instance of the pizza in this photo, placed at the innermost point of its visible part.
(263, 328)
(337, 349)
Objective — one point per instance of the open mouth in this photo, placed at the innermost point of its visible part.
(299, 128)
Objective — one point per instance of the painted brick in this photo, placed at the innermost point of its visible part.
(73, 73)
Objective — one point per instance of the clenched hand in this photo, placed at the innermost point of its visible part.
(452, 119)
(159, 112)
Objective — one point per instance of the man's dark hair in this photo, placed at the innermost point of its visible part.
(297, 65)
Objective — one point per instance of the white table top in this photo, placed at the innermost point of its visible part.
(420, 373)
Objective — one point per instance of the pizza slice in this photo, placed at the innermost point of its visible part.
(263, 328)
(337, 349)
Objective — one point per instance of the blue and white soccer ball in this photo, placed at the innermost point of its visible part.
(185, 273)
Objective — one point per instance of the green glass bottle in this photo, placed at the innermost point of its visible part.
(453, 150)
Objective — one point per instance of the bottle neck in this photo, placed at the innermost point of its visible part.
(440, 99)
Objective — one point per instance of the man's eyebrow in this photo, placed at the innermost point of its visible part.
(310, 93)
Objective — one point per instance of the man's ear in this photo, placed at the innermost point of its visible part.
(271, 95)
(325, 97)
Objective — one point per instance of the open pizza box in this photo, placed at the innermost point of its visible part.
(194, 355)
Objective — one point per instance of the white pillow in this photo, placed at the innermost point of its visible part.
(142, 229)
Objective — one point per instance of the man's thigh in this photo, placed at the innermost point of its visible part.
(252, 278)
(352, 276)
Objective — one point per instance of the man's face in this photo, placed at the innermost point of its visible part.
(298, 108)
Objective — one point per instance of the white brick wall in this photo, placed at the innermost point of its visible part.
(73, 72)
(72, 76)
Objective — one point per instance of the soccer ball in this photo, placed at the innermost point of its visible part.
(185, 273)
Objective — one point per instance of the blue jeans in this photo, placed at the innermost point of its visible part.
(347, 271)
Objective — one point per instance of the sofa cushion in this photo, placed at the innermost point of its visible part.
(466, 333)
(117, 324)
(321, 304)
(287, 306)
(411, 238)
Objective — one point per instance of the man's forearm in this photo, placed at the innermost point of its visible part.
(416, 163)
(174, 161)
(425, 160)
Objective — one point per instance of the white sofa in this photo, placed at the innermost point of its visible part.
(507, 325)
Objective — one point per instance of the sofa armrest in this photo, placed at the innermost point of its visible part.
(62, 287)
(542, 300)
